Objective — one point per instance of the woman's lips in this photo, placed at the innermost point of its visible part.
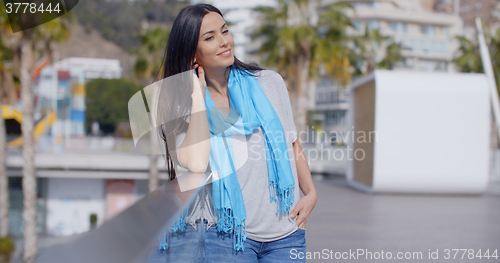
(226, 53)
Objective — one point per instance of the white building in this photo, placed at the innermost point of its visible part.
(428, 38)
(94, 67)
(61, 87)
(428, 41)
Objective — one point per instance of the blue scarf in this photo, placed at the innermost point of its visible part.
(249, 110)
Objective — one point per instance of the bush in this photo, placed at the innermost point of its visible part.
(107, 102)
(7, 247)
(93, 221)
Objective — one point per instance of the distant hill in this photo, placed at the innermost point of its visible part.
(93, 45)
(120, 21)
(110, 29)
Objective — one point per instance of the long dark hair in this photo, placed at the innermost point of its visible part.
(178, 58)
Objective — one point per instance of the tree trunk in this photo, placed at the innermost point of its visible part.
(153, 169)
(4, 182)
(301, 78)
(7, 87)
(494, 145)
(29, 181)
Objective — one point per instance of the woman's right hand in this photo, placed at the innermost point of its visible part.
(194, 151)
(199, 83)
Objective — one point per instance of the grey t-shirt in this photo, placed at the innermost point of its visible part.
(263, 223)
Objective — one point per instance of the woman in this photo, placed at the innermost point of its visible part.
(240, 126)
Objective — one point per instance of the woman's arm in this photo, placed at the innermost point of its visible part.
(194, 151)
(306, 204)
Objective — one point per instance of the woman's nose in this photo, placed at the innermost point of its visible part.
(223, 42)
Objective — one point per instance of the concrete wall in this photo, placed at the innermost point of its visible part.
(70, 202)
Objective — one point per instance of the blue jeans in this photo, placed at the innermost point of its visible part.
(210, 246)
(219, 248)
(183, 246)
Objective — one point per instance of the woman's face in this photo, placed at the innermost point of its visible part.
(215, 45)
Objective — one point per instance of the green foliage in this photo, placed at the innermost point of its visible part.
(150, 53)
(392, 56)
(7, 247)
(5, 54)
(366, 54)
(93, 219)
(327, 42)
(289, 42)
(141, 66)
(468, 57)
(107, 102)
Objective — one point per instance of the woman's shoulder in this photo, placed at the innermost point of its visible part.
(272, 84)
(270, 78)
(268, 74)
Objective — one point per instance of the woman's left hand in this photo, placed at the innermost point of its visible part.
(303, 209)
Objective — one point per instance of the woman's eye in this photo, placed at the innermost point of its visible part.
(208, 38)
(225, 31)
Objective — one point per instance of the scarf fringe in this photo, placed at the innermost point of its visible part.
(226, 222)
(180, 225)
(163, 241)
(284, 197)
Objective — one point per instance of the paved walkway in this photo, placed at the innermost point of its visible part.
(345, 219)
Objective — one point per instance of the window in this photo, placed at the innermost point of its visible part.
(358, 25)
(405, 27)
(429, 30)
(372, 25)
(419, 45)
(399, 27)
(446, 31)
(394, 27)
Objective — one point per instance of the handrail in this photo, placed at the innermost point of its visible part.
(128, 237)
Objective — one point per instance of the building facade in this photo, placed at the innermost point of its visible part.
(65, 202)
(487, 10)
(427, 38)
(61, 87)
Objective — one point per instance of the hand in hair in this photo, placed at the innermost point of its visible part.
(199, 82)
(194, 151)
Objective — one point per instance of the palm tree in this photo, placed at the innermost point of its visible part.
(4, 182)
(150, 53)
(296, 40)
(52, 31)
(23, 47)
(392, 56)
(6, 88)
(468, 58)
(368, 53)
(29, 180)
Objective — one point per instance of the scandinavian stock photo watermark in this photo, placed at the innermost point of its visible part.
(161, 112)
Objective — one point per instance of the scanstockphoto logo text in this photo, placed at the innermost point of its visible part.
(430, 254)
